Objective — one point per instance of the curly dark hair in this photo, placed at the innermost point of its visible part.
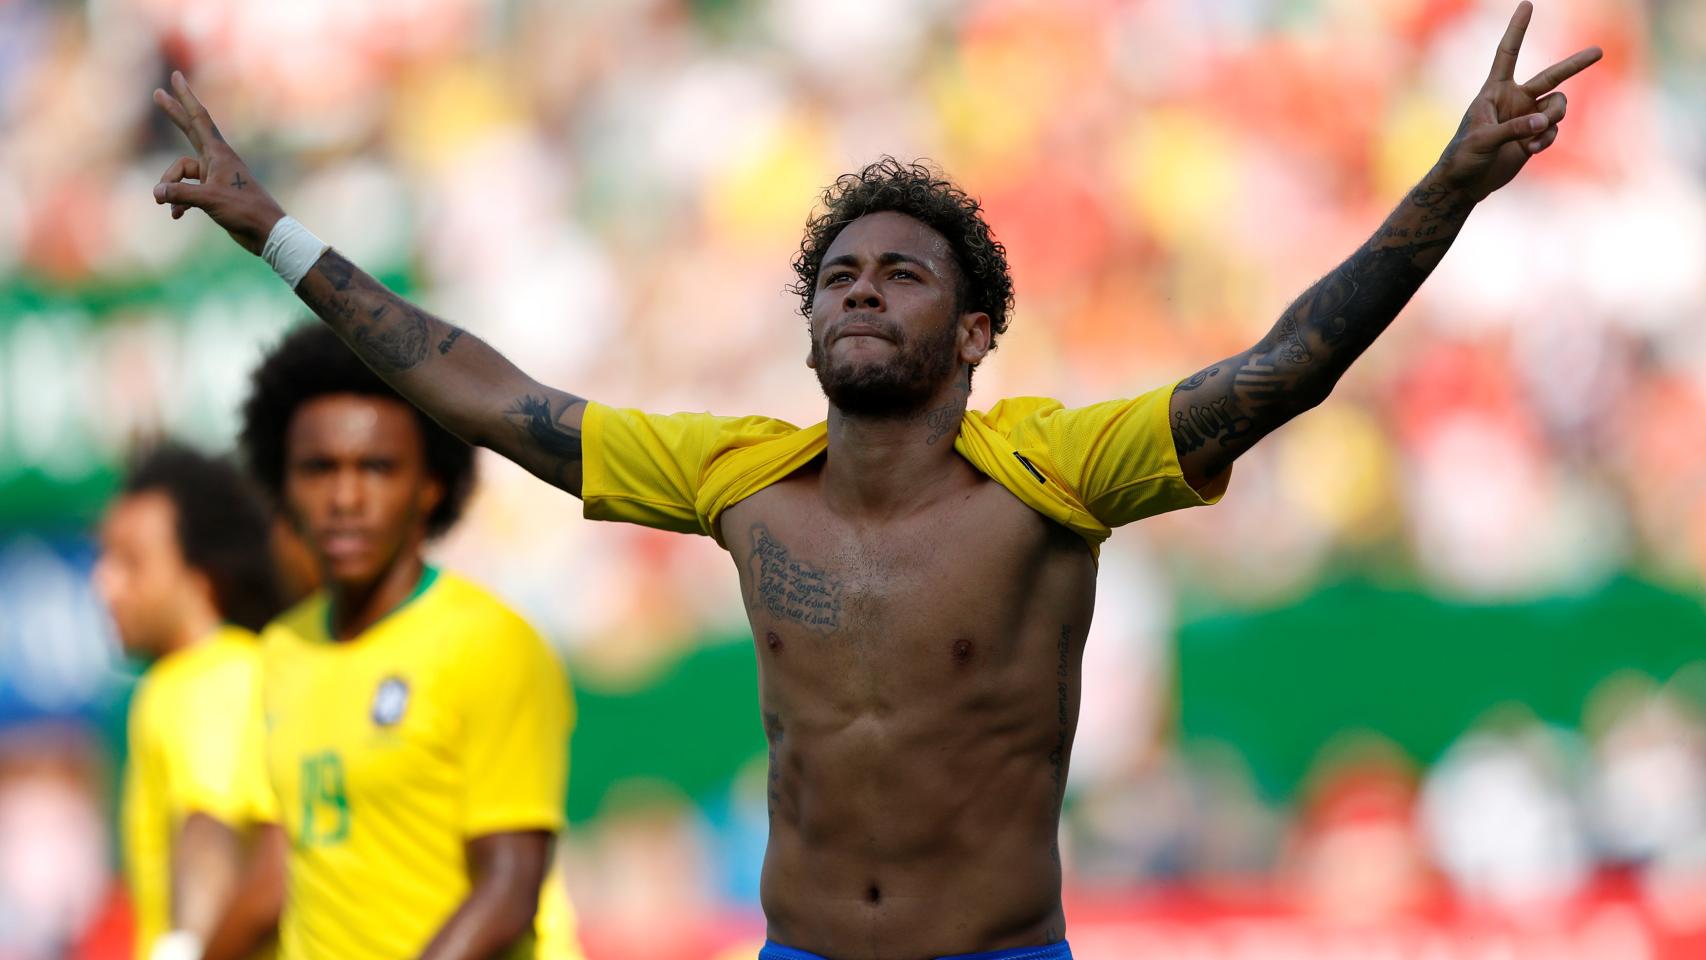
(312, 362)
(223, 527)
(925, 195)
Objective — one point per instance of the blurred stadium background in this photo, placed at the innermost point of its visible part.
(1429, 684)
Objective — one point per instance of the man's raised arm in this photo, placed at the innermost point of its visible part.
(455, 377)
(1222, 411)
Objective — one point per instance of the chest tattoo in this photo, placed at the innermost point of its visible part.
(788, 589)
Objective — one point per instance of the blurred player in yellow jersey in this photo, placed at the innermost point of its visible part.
(186, 571)
(415, 729)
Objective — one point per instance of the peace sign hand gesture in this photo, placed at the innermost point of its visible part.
(1508, 122)
(227, 191)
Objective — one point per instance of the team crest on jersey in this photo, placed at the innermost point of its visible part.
(390, 701)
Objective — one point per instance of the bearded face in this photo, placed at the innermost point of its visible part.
(891, 382)
(885, 317)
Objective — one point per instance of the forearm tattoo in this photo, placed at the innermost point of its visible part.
(1224, 409)
(387, 331)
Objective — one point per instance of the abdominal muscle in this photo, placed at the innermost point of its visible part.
(909, 846)
(918, 743)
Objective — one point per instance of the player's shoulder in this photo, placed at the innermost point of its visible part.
(693, 432)
(304, 621)
(225, 663)
(229, 650)
(1047, 416)
(1012, 410)
(213, 674)
(232, 647)
(476, 610)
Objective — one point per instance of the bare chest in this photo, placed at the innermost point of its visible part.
(970, 572)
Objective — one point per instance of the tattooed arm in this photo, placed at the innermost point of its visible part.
(455, 377)
(1222, 410)
(460, 381)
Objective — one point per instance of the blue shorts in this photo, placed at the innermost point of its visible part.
(1054, 951)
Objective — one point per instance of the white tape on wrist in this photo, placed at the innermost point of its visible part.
(177, 945)
(291, 250)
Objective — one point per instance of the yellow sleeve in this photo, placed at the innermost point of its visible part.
(645, 468)
(651, 469)
(1118, 456)
(203, 750)
(515, 734)
(255, 797)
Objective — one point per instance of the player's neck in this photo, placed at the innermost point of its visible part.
(887, 466)
(352, 608)
(196, 628)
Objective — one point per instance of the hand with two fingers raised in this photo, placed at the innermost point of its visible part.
(1508, 122)
(215, 180)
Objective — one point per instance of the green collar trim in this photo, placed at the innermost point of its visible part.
(429, 576)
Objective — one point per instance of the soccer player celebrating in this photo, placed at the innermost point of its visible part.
(186, 571)
(416, 729)
(919, 576)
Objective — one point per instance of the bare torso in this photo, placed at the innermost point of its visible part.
(918, 678)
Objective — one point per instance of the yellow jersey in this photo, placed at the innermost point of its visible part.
(1089, 469)
(185, 748)
(447, 720)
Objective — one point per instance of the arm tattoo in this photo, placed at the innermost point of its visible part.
(554, 450)
(392, 347)
(1234, 403)
(1199, 378)
(336, 269)
(789, 589)
(388, 332)
(463, 384)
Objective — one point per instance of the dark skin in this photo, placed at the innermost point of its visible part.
(919, 631)
(251, 918)
(359, 491)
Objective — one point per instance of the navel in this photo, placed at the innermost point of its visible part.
(772, 641)
(873, 896)
(962, 651)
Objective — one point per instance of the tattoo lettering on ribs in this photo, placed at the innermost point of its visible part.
(1057, 756)
(788, 589)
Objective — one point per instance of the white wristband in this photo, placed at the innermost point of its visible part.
(177, 945)
(291, 250)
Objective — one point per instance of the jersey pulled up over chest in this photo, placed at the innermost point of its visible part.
(965, 588)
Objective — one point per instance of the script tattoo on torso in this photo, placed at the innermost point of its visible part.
(789, 589)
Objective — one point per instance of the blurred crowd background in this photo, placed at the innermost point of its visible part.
(1432, 677)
